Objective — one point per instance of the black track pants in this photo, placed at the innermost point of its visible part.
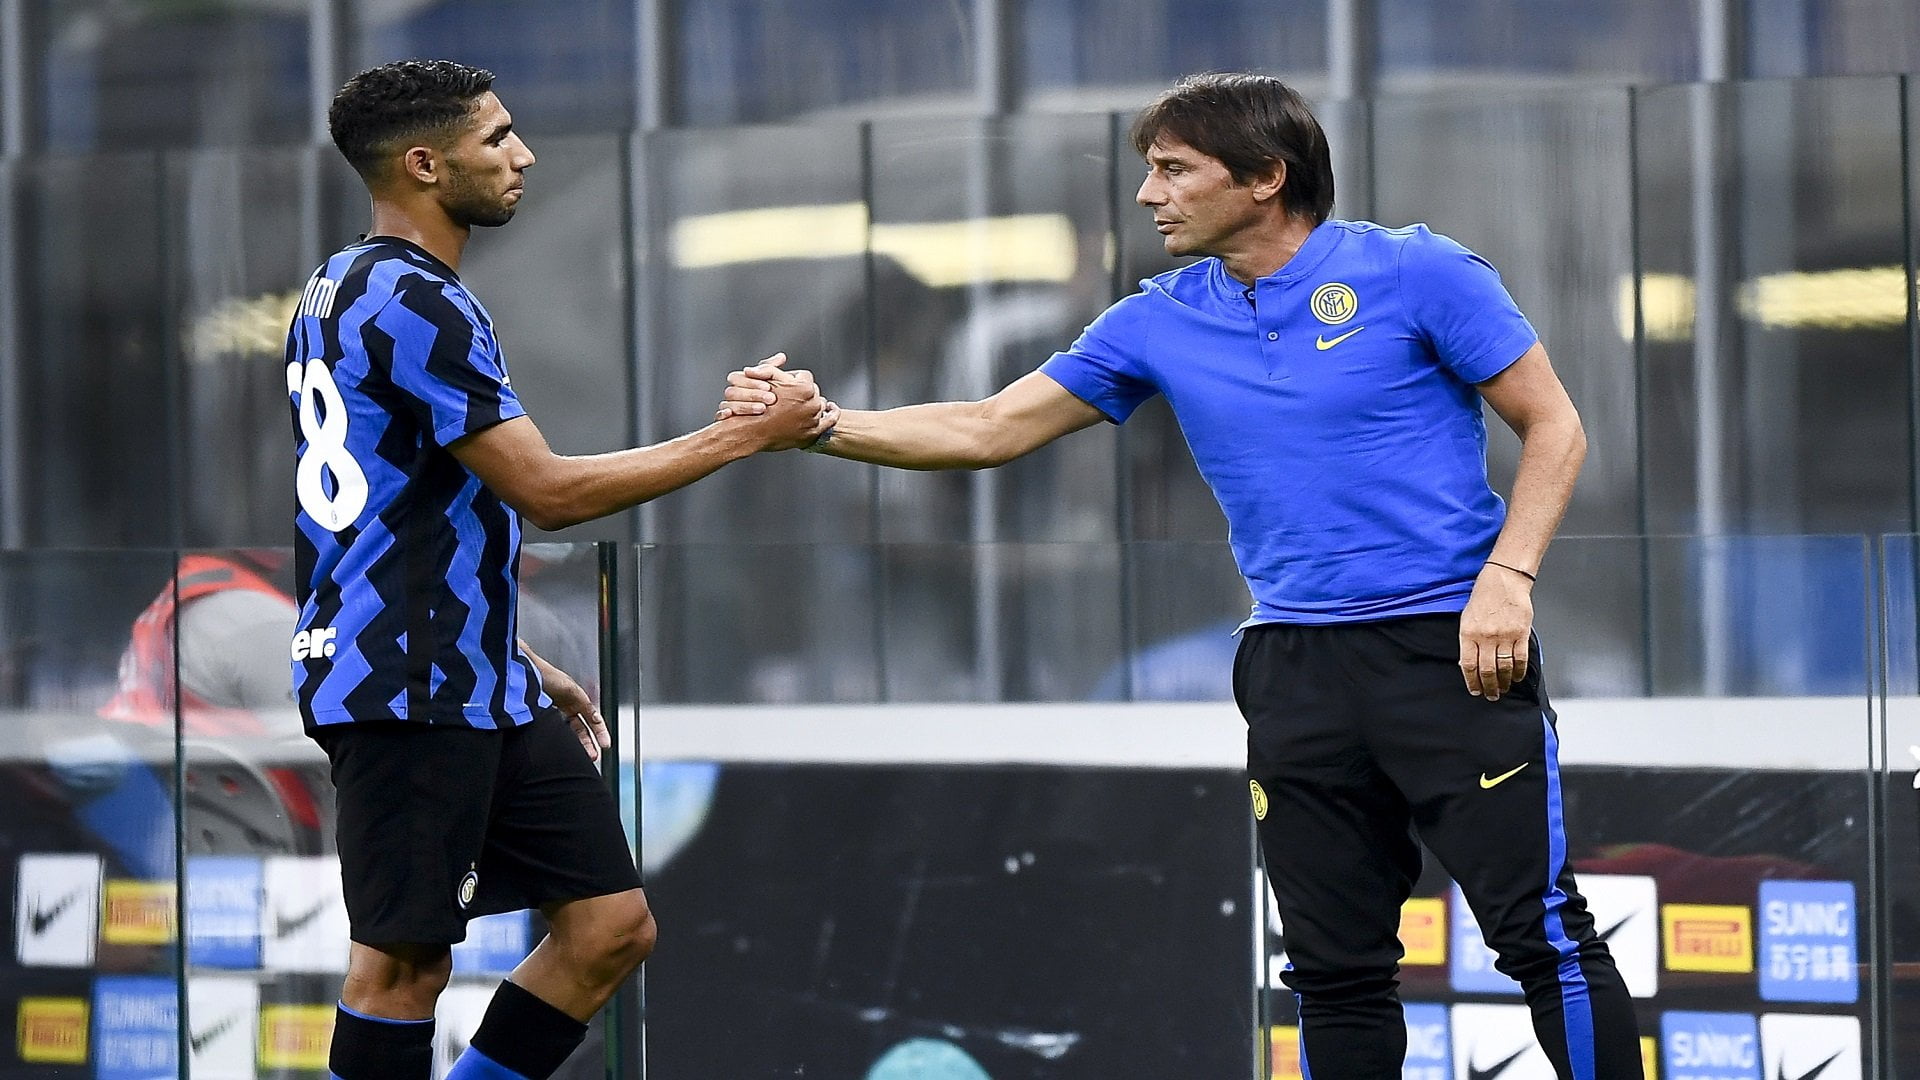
(1357, 735)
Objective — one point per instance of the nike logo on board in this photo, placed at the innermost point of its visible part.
(1474, 1072)
(1487, 784)
(1324, 343)
(39, 918)
(200, 1039)
(1817, 1069)
(299, 922)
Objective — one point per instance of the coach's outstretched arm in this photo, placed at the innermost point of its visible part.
(553, 491)
(1026, 415)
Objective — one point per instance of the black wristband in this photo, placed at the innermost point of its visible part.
(1515, 569)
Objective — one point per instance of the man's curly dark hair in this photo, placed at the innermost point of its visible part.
(407, 99)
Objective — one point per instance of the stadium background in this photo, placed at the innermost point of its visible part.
(938, 778)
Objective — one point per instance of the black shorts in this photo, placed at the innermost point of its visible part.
(441, 824)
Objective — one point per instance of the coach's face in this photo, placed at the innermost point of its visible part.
(486, 167)
(1197, 205)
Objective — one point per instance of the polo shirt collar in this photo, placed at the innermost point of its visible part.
(1319, 244)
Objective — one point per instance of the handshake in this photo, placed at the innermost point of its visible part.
(785, 406)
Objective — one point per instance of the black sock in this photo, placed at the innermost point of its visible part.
(526, 1034)
(374, 1048)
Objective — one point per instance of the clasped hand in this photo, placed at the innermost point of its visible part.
(754, 392)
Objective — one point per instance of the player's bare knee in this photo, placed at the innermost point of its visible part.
(626, 939)
(409, 971)
(641, 938)
(611, 940)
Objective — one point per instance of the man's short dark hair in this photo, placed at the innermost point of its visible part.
(1248, 122)
(404, 100)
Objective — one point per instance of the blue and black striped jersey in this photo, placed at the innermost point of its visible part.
(407, 565)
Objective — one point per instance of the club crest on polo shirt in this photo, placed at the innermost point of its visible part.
(1334, 303)
(1259, 800)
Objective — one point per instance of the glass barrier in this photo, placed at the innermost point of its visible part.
(952, 869)
(1533, 186)
(94, 73)
(1772, 295)
(1899, 750)
(994, 231)
(1114, 53)
(1725, 838)
(1722, 272)
(266, 930)
(1731, 374)
(234, 269)
(570, 63)
(743, 261)
(89, 297)
(152, 728)
(92, 976)
(925, 865)
(953, 877)
(756, 61)
(226, 75)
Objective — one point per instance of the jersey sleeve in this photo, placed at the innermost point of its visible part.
(1103, 366)
(1460, 306)
(446, 362)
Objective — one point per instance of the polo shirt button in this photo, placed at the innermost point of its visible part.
(1273, 335)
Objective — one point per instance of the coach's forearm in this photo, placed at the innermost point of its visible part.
(1551, 452)
(939, 435)
(595, 485)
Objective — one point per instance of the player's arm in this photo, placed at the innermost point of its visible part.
(1553, 444)
(1496, 627)
(573, 702)
(553, 491)
(1026, 415)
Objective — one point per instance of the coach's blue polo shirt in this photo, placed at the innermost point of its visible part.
(1332, 409)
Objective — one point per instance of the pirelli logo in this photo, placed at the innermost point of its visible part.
(295, 1036)
(1423, 930)
(1283, 1052)
(53, 1031)
(137, 913)
(1708, 937)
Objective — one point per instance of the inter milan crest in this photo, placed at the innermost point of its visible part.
(1334, 303)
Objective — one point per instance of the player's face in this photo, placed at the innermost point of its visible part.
(486, 167)
(1197, 205)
